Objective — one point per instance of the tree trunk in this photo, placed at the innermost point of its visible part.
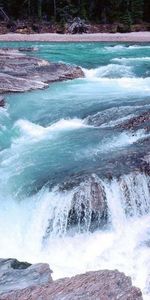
(55, 9)
(39, 9)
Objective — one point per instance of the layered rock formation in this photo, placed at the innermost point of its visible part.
(20, 73)
(22, 281)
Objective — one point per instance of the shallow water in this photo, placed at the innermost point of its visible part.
(46, 136)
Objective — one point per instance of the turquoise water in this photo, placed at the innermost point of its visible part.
(47, 137)
(117, 76)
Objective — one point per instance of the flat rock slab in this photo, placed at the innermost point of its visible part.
(10, 83)
(22, 281)
(21, 73)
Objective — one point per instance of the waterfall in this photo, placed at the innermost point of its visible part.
(110, 231)
(93, 204)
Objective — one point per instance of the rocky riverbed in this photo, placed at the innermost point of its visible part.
(23, 281)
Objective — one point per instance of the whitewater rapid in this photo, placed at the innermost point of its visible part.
(123, 245)
(52, 142)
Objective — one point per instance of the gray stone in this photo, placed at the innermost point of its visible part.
(10, 83)
(20, 73)
(99, 285)
(15, 275)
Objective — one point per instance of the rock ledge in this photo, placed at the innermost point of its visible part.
(20, 72)
(22, 281)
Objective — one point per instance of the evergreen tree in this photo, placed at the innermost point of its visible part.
(102, 11)
(137, 10)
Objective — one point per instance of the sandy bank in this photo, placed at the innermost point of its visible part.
(96, 37)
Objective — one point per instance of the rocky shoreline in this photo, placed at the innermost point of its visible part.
(136, 37)
(23, 281)
(20, 72)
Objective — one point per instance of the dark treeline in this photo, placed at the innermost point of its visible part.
(99, 11)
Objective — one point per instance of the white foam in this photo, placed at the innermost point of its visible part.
(125, 60)
(119, 48)
(116, 48)
(32, 131)
(136, 47)
(124, 86)
(122, 246)
(111, 70)
(113, 143)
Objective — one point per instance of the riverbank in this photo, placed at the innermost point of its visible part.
(94, 37)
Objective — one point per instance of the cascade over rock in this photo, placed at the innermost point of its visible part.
(89, 202)
(75, 172)
(89, 205)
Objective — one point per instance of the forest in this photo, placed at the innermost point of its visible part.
(98, 11)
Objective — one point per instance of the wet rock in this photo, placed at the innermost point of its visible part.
(99, 285)
(27, 49)
(20, 72)
(10, 83)
(15, 275)
(89, 209)
(2, 101)
(115, 118)
(12, 263)
(9, 51)
(136, 122)
(108, 115)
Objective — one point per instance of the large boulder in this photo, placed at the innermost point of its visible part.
(22, 281)
(20, 73)
(15, 275)
(89, 209)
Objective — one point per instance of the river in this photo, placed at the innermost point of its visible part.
(73, 130)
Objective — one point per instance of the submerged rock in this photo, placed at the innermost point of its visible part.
(20, 73)
(115, 118)
(35, 283)
(27, 49)
(2, 101)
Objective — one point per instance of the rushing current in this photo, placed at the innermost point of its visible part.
(55, 143)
